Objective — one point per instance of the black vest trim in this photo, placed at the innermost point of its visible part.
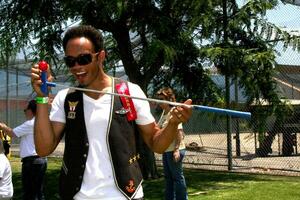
(123, 151)
(76, 146)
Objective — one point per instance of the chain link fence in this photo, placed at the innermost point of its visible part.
(209, 146)
(206, 138)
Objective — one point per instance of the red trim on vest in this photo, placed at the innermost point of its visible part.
(126, 102)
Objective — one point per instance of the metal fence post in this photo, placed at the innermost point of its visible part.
(229, 143)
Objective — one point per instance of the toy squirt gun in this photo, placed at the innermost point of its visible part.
(43, 66)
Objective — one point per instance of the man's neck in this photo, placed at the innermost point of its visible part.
(99, 85)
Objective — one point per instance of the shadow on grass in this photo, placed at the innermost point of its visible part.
(51, 189)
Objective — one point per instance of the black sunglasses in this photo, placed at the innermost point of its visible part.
(82, 59)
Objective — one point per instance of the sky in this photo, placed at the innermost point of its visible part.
(286, 16)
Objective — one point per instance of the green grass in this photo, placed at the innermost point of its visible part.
(202, 185)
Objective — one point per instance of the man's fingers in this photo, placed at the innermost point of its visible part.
(35, 79)
(184, 112)
(188, 102)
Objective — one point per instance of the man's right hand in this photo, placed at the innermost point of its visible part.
(36, 81)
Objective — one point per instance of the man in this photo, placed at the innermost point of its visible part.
(33, 166)
(100, 158)
(6, 186)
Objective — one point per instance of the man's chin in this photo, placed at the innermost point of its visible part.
(82, 85)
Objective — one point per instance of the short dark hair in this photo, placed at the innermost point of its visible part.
(32, 106)
(86, 31)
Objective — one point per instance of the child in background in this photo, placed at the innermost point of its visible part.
(173, 156)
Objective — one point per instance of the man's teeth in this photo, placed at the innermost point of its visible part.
(80, 73)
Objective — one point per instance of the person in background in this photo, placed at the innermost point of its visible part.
(100, 156)
(174, 154)
(33, 166)
(6, 185)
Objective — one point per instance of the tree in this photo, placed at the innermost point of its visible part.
(242, 48)
(144, 35)
(160, 41)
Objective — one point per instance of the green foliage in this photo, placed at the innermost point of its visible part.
(34, 25)
(145, 33)
(163, 42)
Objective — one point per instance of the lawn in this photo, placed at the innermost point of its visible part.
(202, 185)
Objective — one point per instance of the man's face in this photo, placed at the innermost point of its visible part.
(82, 61)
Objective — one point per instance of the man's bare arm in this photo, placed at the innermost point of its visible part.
(47, 134)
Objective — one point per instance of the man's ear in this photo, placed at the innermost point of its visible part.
(101, 55)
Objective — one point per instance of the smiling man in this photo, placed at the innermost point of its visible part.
(100, 158)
